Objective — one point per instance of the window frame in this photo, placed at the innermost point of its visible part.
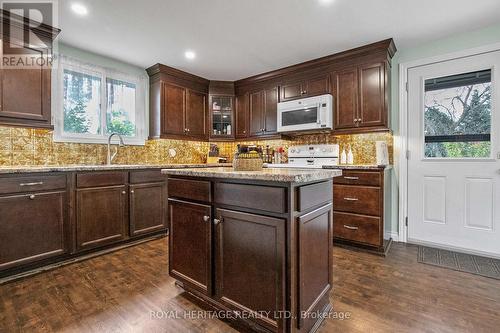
(103, 73)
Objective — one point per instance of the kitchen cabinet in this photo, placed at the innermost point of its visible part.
(242, 116)
(190, 244)
(361, 205)
(306, 87)
(178, 104)
(222, 116)
(147, 208)
(253, 262)
(361, 98)
(33, 227)
(263, 108)
(25, 92)
(101, 216)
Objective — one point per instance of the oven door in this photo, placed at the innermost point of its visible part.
(299, 118)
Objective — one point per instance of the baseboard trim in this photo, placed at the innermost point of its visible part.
(393, 235)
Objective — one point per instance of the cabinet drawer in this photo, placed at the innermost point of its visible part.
(147, 176)
(32, 183)
(352, 177)
(357, 199)
(313, 195)
(188, 189)
(96, 179)
(358, 228)
(265, 198)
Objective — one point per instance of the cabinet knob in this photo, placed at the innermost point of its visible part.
(206, 218)
(217, 221)
(132, 192)
(32, 197)
(244, 132)
(124, 192)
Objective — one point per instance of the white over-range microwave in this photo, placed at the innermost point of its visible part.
(312, 113)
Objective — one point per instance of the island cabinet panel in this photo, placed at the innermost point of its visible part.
(250, 264)
(147, 208)
(101, 216)
(190, 244)
(32, 227)
(190, 189)
(265, 198)
(315, 231)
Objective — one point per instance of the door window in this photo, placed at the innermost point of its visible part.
(457, 116)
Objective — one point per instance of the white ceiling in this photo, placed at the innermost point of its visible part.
(234, 39)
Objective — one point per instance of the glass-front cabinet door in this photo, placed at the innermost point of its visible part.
(222, 115)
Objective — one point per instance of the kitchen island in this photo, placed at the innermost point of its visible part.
(254, 245)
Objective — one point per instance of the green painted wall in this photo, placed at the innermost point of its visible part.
(464, 41)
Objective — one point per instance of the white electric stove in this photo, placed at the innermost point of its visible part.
(310, 157)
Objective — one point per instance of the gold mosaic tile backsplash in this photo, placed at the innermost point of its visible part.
(27, 147)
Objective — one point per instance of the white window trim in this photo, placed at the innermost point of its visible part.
(64, 62)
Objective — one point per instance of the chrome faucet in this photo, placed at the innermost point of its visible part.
(120, 144)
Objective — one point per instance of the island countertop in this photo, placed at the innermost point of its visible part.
(266, 174)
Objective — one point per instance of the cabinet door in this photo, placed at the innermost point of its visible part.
(315, 234)
(196, 114)
(25, 94)
(346, 94)
(271, 109)
(32, 228)
(147, 208)
(250, 263)
(190, 244)
(172, 115)
(256, 113)
(101, 216)
(372, 104)
(242, 116)
(317, 86)
(291, 90)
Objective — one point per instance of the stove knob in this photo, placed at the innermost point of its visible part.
(298, 150)
(323, 150)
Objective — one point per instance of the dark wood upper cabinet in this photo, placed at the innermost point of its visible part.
(148, 208)
(101, 216)
(222, 111)
(271, 111)
(196, 115)
(247, 264)
(307, 87)
(242, 116)
(174, 104)
(263, 108)
(256, 113)
(178, 104)
(361, 98)
(346, 101)
(25, 93)
(373, 99)
(190, 244)
(33, 227)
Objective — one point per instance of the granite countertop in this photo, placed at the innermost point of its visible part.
(359, 166)
(103, 167)
(267, 174)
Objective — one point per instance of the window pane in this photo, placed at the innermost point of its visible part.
(120, 112)
(82, 98)
(457, 116)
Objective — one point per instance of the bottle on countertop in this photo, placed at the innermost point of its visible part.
(343, 157)
(350, 157)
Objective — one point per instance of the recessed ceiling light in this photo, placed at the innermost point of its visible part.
(326, 2)
(190, 55)
(79, 9)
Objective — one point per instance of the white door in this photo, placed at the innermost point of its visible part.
(453, 167)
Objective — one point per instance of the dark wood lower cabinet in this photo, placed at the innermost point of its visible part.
(32, 227)
(270, 265)
(147, 208)
(190, 244)
(101, 215)
(250, 264)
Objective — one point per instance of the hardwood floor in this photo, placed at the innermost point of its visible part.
(117, 293)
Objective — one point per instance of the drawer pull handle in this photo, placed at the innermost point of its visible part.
(31, 184)
(351, 178)
(350, 227)
(351, 199)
